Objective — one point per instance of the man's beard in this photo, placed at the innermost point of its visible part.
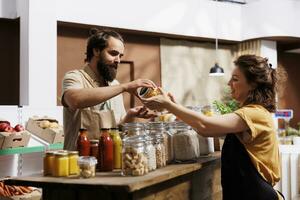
(108, 72)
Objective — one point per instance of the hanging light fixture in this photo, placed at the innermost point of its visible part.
(216, 70)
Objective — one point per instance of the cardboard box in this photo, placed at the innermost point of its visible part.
(15, 139)
(50, 135)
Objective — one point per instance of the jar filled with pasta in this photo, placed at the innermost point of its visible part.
(135, 162)
(157, 131)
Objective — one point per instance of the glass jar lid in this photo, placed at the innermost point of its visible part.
(94, 141)
(50, 152)
(61, 154)
(87, 160)
(137, 140)
(73, 152)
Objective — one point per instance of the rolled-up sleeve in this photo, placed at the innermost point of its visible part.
(71, 80)
(256, 121)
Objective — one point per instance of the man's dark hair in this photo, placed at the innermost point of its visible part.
(98, 40)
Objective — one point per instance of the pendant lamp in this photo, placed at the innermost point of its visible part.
(216, 70)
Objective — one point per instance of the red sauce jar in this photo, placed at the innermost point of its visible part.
(94, 150)
(83, 143)
(106, 152)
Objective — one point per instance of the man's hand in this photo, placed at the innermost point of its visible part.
(140, 112)
(132, 86)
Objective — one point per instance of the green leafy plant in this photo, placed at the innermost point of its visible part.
(292, 131)
(226, 104)
(227, 107)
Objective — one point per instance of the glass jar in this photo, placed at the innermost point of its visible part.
(135, 161)
(49, 163)
(87, 165)
(73, 163)
(148, 92)
(170, 144)
(131, 129)
(150, 152)
(61, 164)
(160, 151)
(117, 143)
(105, 158)
(83, 143)
(158, 132)
(186, 144)
(94, 148)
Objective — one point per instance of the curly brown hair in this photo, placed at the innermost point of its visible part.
(98, 40)
(263, 78)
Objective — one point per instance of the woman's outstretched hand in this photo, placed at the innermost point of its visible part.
(158, 102)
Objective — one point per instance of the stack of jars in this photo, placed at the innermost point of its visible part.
(153, 139)
(107, 150)
(61, 163)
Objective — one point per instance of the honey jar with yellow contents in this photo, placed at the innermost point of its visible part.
(61, 164)
(49, 163)
(148, 92)
(73, 162)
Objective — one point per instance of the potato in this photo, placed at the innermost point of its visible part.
(44, 124)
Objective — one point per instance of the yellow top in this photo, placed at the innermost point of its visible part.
(260, 141)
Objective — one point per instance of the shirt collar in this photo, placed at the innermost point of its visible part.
(87, 68)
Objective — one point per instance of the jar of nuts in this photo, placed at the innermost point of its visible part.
(150, 152)
(134, 159)
(157, 131)
(87, 165)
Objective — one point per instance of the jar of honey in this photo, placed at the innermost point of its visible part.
(73, 163)
(148, 92)
(61, 164)
(49, 163)
(117, 147)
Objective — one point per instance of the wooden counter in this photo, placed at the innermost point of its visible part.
(199, 180)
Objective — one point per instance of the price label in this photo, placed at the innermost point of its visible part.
(284, 114)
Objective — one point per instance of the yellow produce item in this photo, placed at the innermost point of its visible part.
(49, 163)
(73, 163)
(61, 164)
(209, 113)
(117, 141)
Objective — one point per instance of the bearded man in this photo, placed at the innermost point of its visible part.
(92, 95)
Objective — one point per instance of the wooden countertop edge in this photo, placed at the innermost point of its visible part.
(130, 184)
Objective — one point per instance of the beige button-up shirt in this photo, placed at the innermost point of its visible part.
(89, 117)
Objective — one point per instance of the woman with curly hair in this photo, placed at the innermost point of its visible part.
(250, 154)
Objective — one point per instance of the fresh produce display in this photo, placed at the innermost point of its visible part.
(44, 123)
(289, 132)
(5, 126)
(12, 190)
(227, 107)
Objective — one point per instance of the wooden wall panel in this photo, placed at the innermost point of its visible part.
(291, 94)
(142, 52)
(9, 61)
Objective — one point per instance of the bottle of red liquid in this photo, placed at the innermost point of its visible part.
(83, 143)
(106, 152)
